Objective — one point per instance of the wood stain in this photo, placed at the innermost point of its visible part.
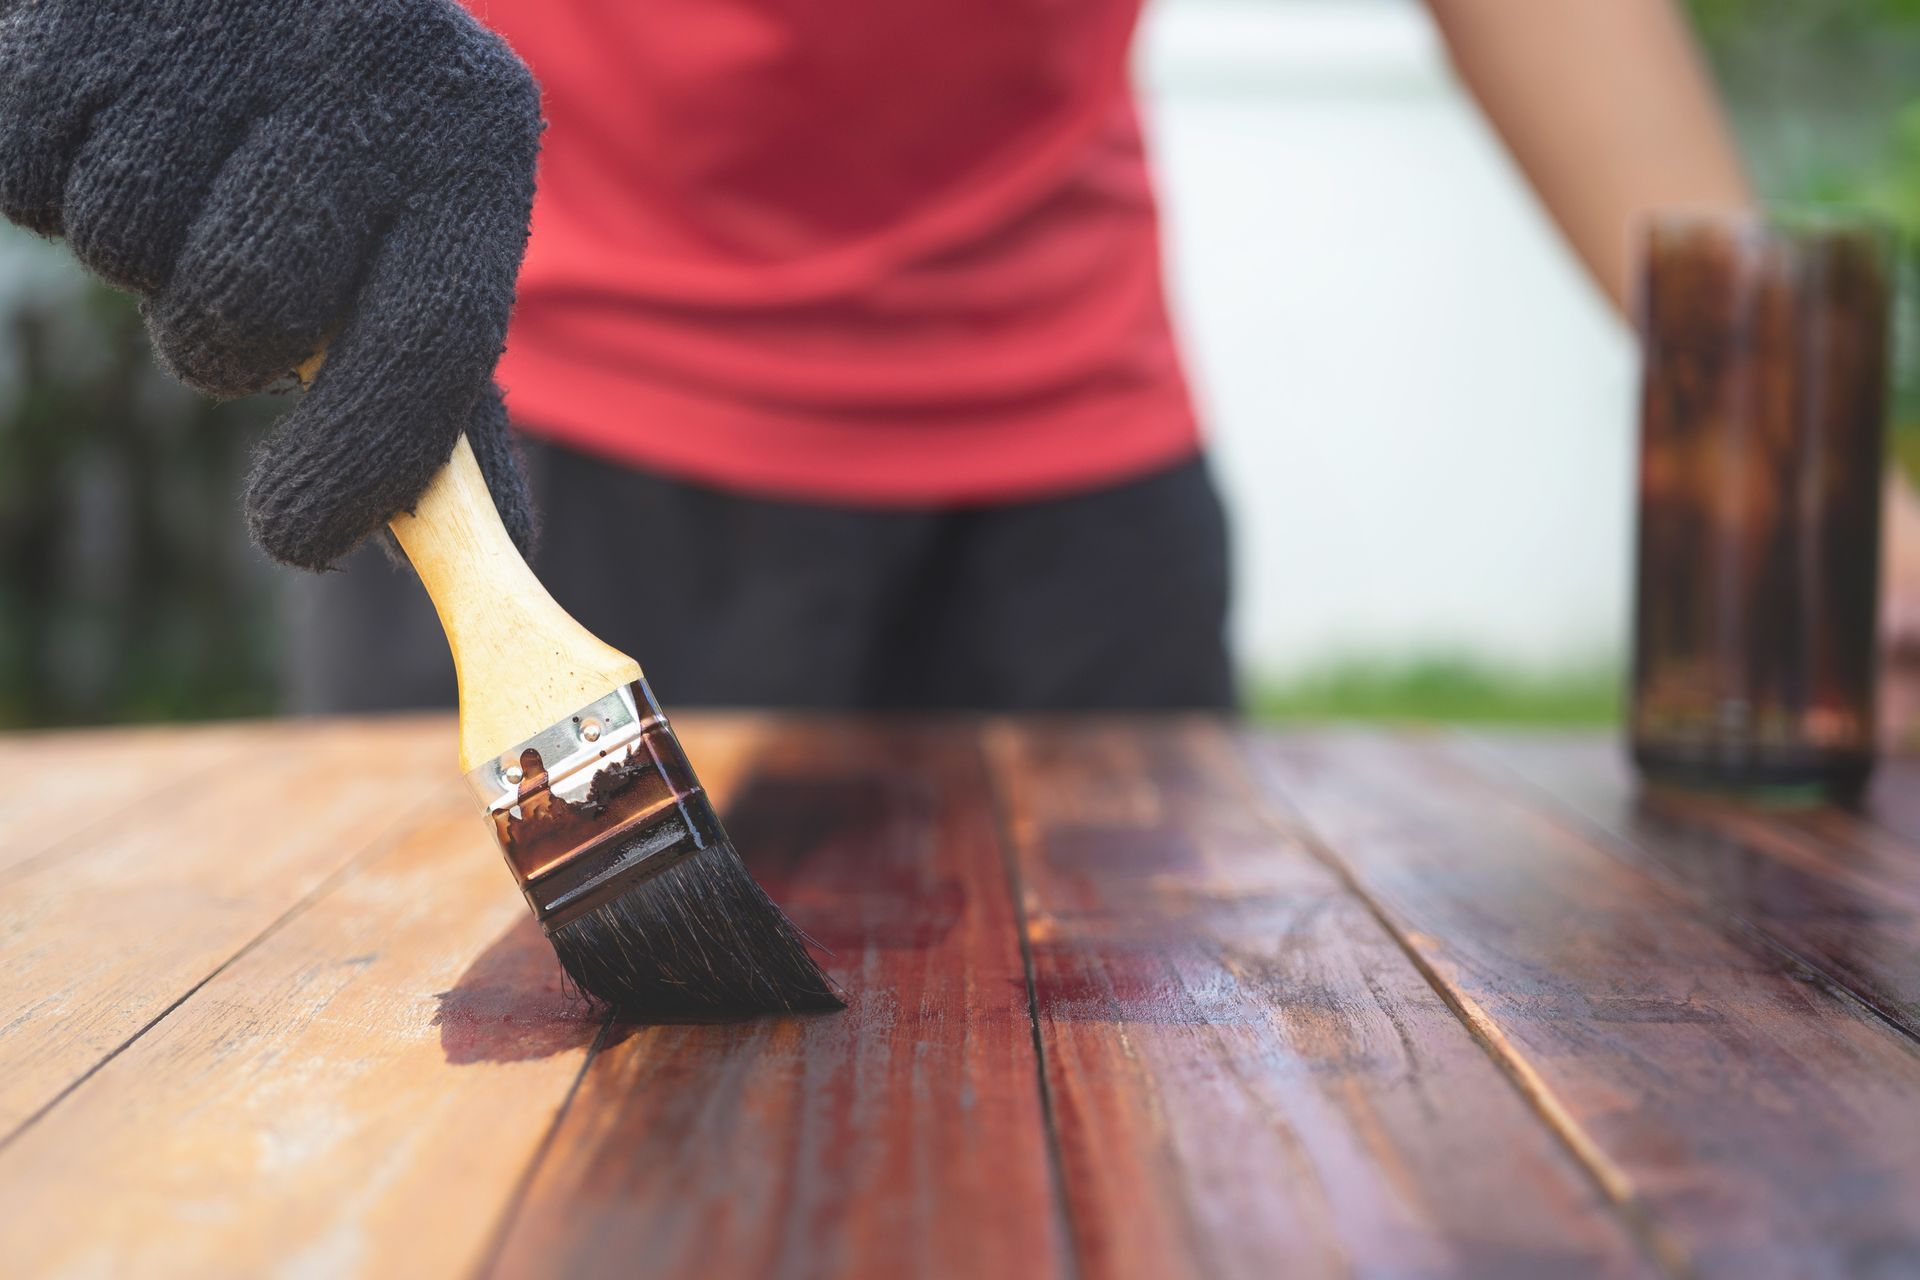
(1762, 434)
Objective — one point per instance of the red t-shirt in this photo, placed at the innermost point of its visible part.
(876, 251)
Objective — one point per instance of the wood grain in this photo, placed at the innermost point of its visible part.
(1757, 1123)
(1335, 1003)
(65, 785)
(358, 1095)
(1249, 1077)
(903, 1137)
(96, 944)
(1833, 889)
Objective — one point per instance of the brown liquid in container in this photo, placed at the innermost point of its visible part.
(1762, 437)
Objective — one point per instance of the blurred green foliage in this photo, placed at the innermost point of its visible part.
(1825, 95)
(127, 589)
(1442, 690)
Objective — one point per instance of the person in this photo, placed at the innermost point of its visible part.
(841, 359)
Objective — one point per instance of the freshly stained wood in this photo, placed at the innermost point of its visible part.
(902, 1137)
(1832, 888)
(1757, 1123)
(1332, 1004)
(96, 944)
(1248, 1076)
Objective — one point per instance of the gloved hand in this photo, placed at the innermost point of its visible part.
(272, 176)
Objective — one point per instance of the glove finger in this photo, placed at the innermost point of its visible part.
(269, 267)
(57, 72)
(504, 471)
(142, 174)
(402, 379)
(151, 156)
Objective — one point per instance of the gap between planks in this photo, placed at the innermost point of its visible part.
(1764, 1121)
(1608, 1178)
(122, 808)
(730, 729)
(880, 838)
(415, 819)
(1481, 758)
(496, 1245)
(1016, 889)
(1229, 849)
(1063, 1206)
(346, 1099)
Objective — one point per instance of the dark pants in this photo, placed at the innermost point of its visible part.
(1114, 599)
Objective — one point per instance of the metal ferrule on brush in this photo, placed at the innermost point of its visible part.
(594, 805)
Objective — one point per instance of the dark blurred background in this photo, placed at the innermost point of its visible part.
(127, 590)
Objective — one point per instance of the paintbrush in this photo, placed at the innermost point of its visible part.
(604, 825)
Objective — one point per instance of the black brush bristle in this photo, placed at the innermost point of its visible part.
(698, 939)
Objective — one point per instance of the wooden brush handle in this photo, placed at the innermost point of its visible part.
(523, 663)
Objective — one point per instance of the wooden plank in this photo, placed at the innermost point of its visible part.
(1830, 888)
(1761, 1124)
(1249, 1076)
(96, 944)
(359, 1095)
(902, 1137)
(61, 786)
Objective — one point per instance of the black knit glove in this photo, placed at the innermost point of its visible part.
(272, 176)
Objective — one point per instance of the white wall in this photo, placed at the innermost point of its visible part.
(1422, 410)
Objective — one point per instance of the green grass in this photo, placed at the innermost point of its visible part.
(1442, 691)
(1906, 448)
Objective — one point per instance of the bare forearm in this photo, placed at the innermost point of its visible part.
(1606, 108)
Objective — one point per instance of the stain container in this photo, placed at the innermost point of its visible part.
(1764, 346)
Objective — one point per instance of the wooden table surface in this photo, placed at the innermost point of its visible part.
(1143, 998)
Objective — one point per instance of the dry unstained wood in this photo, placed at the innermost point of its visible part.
(1832, 888)
(98, 942)
(63, 786)
(904, 1136)
(1248, 1075)
(1761, 1124)
(358, 1095)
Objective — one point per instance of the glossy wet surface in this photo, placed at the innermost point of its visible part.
(1126, 998)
